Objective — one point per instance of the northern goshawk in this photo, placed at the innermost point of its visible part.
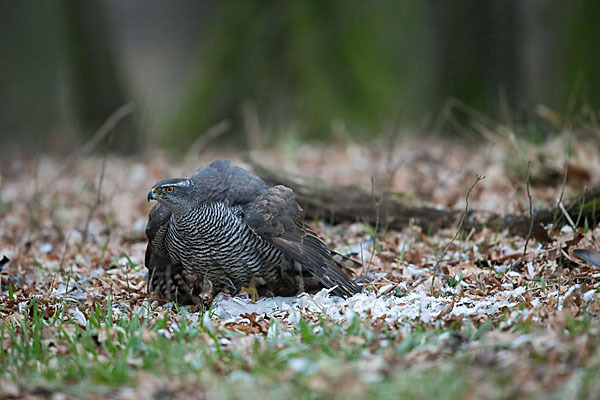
(224, 228)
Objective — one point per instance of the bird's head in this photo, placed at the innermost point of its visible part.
(177, 194)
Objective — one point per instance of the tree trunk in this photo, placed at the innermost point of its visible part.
(93, 74)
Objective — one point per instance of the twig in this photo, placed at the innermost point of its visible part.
(531, 219)
(64, 254)
(51, 284)
(560, 269)
(567, 216)
(495, 129)
(94, 206)
(376, 204)
(310, 298)
(362, 261)
(562, 253)
(127, 279)
(204, 139)
(91, 144)
(565, 174)
(581, 206)
(391, 142)
(458, 228)
(69, 280)
(362, 257)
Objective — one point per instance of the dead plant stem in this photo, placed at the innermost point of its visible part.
(458, 228)
(531, 218)
(376, 205)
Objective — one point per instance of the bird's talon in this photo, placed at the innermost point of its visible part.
(206, 293)
(252, 292)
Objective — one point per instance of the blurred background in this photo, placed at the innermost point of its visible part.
(291, 70)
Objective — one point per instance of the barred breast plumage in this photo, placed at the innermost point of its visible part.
(224, 228)
(214, 241)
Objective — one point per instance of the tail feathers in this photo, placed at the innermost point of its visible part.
(346, 264)
(333, 275)
(349, 266)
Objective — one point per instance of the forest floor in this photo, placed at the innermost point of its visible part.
(496, 322)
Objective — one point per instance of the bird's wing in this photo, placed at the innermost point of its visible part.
(277, 217)
(244, 186)
(219, 181)
(157, 221)
(164, 275)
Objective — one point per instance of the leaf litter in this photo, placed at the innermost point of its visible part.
(520, 307)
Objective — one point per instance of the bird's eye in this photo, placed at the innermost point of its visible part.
(169, 189)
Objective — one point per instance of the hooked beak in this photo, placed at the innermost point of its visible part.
(152, 195)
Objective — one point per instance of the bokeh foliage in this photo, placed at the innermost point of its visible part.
(323, 61)
(303, 67)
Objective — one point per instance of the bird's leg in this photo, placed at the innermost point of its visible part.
(190, 279)
(195, 287)
(206, 293)
(251, 290)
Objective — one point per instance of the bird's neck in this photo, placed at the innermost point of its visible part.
(182, 212)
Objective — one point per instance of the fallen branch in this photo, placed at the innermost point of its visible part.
(335, 203)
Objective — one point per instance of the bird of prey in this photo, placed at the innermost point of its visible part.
(224, 228)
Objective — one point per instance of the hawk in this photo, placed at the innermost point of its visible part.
(224, 228)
